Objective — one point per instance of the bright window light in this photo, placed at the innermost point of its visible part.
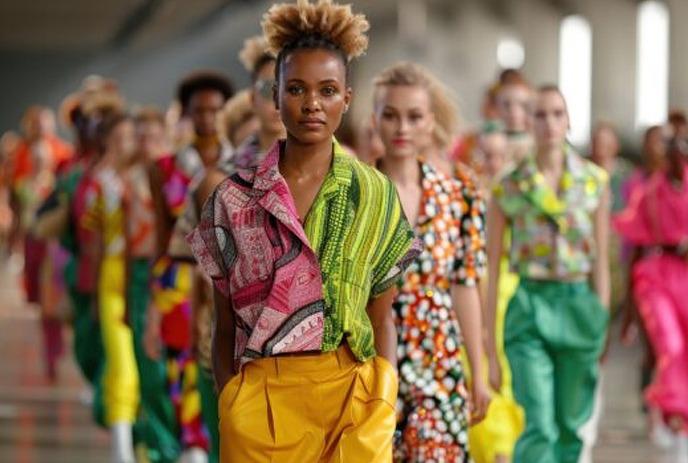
(575, 74)
(652, 64)
(510, 53)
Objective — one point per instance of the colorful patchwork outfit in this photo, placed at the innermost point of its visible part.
(157, 424)
(172, 286)
(303, 289)
(104, 202)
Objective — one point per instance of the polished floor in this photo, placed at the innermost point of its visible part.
(43, 423)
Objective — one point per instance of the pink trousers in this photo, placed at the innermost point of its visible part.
(660, 287)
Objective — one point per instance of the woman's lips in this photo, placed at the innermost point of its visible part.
(312, 123)
(401, 141)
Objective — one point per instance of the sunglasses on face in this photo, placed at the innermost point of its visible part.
(264, 88)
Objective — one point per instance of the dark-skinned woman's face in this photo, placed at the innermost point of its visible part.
(312, 94)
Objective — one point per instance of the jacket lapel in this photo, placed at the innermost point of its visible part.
(274, 194)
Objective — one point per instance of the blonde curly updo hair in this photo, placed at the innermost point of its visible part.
(442, 104)
(255, 54)
(304, 25)
(237, 111)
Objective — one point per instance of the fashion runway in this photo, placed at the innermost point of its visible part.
(43, 423)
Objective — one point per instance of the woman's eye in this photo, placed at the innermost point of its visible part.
(295, 90)
(328, 91)
(388, 115)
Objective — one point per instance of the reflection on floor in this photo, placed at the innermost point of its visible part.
(42, 423)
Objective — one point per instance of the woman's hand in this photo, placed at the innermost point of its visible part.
(629, 329)
(494, 372)
(480, 401)
(381, 318)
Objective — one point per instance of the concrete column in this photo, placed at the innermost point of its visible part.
(613, 25)
(678, 54)
(538, 25)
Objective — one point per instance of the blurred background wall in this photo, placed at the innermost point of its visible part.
(48, 46)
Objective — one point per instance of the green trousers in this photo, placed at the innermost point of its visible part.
(554, 335)
(206, 386)
(157, 425)
(88, 347)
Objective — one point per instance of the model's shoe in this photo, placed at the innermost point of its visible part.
(122, 446)
(661, 436)
(681, 448)
(194, 455)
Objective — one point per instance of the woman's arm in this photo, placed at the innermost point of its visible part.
(223, 340)
(629, 323)
(382, 318)
(466, 301)
(496, 225)
(600, 271)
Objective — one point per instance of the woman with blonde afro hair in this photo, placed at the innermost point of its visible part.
(304, 250)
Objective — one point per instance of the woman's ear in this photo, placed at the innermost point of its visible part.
(275, 94)
(348, 97)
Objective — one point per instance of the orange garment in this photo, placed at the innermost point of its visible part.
(23, 162)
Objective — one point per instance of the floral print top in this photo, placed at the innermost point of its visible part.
(552, 232)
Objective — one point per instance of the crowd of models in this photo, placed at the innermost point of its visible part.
(242, 287)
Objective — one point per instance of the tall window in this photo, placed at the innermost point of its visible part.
(575, 74)
(652, 86)
(510, 53)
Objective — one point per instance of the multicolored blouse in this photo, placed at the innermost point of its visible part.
(552, 232)
(140, 213)
(105, 211)
(299, 288)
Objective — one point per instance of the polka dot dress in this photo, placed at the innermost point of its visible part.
(433, 399)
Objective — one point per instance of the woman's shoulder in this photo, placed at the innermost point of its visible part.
(370, 179)
(511, 180)
(592, 170)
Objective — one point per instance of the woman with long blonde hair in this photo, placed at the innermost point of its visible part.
(438, 306)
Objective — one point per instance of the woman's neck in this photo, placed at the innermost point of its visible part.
(437, 158)
(403, 171)
(653, 165)
(122, 163)
(302, 158)
(208, 147)
(550, 159)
